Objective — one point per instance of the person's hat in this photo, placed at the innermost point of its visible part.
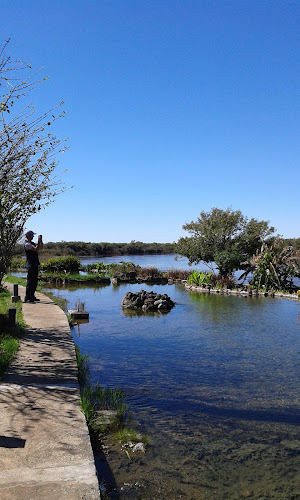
(29, 232)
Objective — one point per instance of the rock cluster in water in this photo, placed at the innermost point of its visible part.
(147, 301)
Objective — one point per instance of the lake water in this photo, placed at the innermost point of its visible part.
(214, 384)
(161, 262)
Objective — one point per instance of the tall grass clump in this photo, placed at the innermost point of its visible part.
(149, 272)
(104, 408)
(178, 274)
(83, 367)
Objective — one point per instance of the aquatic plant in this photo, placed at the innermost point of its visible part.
(200, 278)
(95, 399)
(83, 367)
(103, 407)
(128, 434)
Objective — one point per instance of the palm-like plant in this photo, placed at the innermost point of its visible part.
(275, 266)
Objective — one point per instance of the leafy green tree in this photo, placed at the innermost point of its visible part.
(225, 237)
(28, 148)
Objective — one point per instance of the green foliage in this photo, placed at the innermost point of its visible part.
(228, 261)
(94, 399)
(225, 237)
(48, 276)
(83, 367)
(9, 338)
(67, 264)
(17, 263)
(220, 282)
(8, 347)
(200, 278)
(103, 249)
(128, 434)
(275, 267)
(4, 300)
(14, 279)
(27, 154)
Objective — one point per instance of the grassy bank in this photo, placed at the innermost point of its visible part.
(9, 337)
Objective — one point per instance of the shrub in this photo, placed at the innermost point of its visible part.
(200, 278)
(149, 272)
(67, 264)
(178, 274)
(17, 263)
(218, 281)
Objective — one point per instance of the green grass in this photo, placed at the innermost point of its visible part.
(8, 347)
(14, 279)
(95, 399)
(9, 337)
(83, 367)
(124, 435)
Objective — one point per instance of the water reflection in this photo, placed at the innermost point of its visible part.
(138, 313)
(215, 384)
(77, 323)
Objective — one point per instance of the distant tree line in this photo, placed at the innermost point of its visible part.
(292, 242)
(103, 249)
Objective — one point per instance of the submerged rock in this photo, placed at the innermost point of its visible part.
(147, 301)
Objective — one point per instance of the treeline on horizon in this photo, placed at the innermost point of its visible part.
(105, 249)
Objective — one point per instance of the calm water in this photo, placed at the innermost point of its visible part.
(162, 262)
(214, 384)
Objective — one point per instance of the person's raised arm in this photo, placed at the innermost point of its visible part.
(40, 242)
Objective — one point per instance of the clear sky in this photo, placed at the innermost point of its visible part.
(173, 107)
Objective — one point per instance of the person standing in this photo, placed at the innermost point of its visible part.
(32, 265)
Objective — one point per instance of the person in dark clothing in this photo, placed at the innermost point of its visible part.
(32, 265)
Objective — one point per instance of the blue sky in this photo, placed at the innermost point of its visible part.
(173, 107)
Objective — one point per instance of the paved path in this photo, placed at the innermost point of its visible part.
(45, 450)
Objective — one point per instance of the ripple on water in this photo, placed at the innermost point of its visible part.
(215, 385)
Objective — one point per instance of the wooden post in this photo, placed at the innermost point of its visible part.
(15, 297)
(12, 315)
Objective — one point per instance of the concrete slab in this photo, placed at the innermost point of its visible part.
(45, 450)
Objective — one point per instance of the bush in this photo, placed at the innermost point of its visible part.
(200, 278)
(67, 264)
(178, 274)
(222, 282)
(149, 272)
(17, 263)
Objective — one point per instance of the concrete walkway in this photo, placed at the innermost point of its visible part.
(45, 450)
